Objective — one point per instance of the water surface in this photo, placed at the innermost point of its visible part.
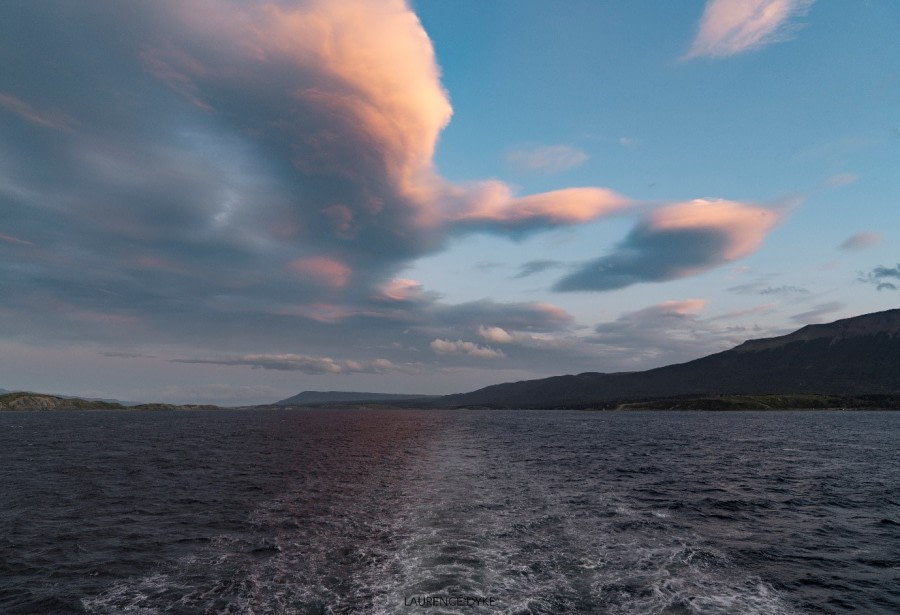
(294, 511)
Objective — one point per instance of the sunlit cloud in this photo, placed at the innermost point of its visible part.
(497, 335)
(729, 27)
(442, 346)
(860, 241)
(676, 241)
(326, 271)
(547, 159)
(402, 289)
(492, 204)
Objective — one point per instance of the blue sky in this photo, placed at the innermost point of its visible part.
(232, 202)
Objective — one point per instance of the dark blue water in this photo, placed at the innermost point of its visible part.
(368, 511)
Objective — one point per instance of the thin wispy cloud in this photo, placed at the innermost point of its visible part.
(820, 313)
(663, 333)
(300, 363)
(127, 355)
(534, 267)
(861, 241)
(842, 179)
(730, 27)
(16, 240)
(546, 159)
(785, 289)
(45, 117)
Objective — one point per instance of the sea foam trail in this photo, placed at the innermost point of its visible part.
(463, 515)
(490, 518)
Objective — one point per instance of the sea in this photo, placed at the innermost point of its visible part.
(434, 512)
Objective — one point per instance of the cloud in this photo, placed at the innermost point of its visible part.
(842, 179)
(524, 316)
(668, 332)
(491, 205)
(756, 309)
(676, 241)
(497, 335)
(402, 289)
(325, 271)
(126, 355)
(729, 27)
(818, 313)
(547, 159)
(784, 289)
(880, 276)
(442, 346)
(860, 241)
(300, 363)
(45, 118)
(538, 266)
(524, 340)
(15, 240)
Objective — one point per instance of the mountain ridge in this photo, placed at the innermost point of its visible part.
(851, 356)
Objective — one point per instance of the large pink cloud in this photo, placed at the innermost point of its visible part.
(349, 94)
(353, 95)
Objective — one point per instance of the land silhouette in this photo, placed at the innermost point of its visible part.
(849, 363)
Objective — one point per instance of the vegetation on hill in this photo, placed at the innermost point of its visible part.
(24, 400)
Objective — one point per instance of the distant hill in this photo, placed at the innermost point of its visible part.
(307, 398)
(24, 400)
(849, 357)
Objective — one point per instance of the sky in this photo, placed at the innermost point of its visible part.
(234, 201)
